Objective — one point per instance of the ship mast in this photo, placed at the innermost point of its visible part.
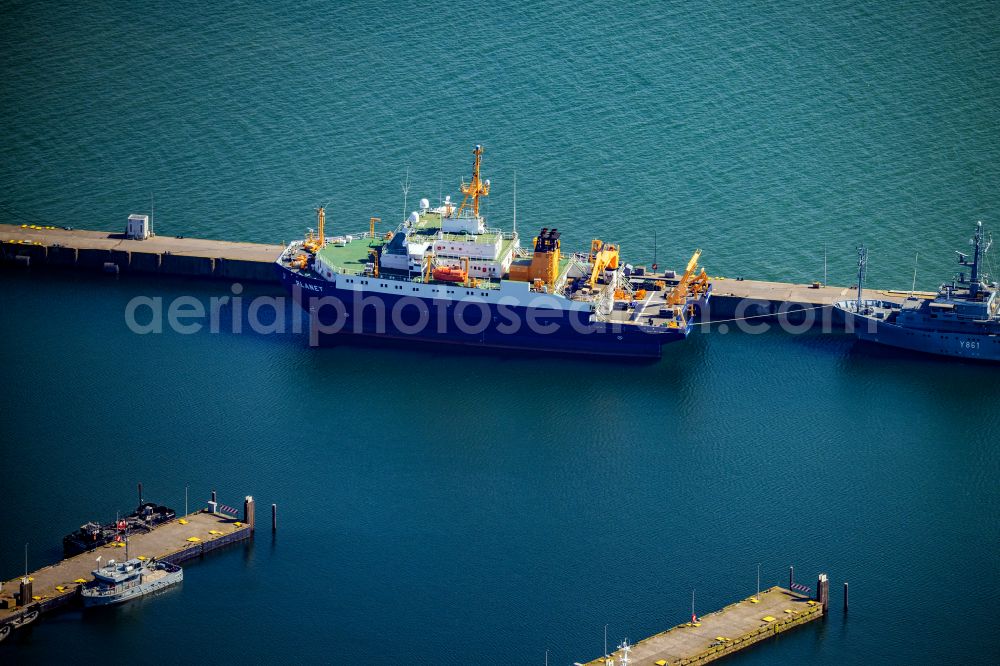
(476, 188)
(862, 269)
(977, 254)
(321, 225)
(515, 203)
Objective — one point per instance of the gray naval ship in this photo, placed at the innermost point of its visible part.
(116, 582)
(962, 320)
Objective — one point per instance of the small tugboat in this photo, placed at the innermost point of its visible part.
(963, 320)
(116, 582)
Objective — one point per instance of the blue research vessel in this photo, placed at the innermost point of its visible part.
(444, 276)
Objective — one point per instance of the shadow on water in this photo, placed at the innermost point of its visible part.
(132, 609)
(439, 350)
(865, 350)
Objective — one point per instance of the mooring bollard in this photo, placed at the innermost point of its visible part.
(248, 511)
(823, 592)
(274, 517)
(25, 591)
(845, 597)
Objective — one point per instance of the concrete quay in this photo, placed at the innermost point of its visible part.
(31, 245)
(739, 299)
(24, 599)
(731, 629)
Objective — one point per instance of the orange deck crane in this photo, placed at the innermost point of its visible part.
(604, 256)
(476, 188)
(690, 283)
(315, 243)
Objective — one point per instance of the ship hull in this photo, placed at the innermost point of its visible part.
(974, 346)
(426, 321)
(146, 587)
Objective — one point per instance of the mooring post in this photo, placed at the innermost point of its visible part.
(248, 511)
(823, 592)
(26, 592)
(214, 501)
(274, 517)
(140, 493)
(845, 597)
(791, 577)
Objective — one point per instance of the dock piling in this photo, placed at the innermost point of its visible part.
(25, 591)
(248, 511)
(214, 500)
(791, 578)
(274, 517)
(823, 592)
(140, 493)
(845, 597)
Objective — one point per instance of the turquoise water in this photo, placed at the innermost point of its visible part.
(481, 508)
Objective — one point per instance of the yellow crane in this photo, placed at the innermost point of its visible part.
(476, 188)
(428, 266)
(314, 243)
(603, 256)
(691, 282)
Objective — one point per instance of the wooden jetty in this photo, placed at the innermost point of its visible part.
(734, 628)
(24, 599)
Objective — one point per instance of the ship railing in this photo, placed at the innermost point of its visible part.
(363, 235)
(560, 283)
(481, 284)
(347, 271)
(496, 231)
(488, 237)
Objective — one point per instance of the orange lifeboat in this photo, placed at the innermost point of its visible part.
(449, 274)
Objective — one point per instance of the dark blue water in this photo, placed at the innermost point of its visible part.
(451, 509)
